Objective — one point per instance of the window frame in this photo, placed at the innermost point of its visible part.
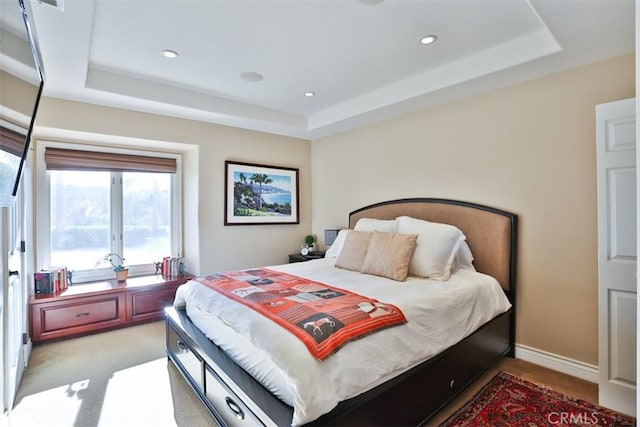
(43, 208)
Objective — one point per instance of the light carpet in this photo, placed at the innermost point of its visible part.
(118, 378)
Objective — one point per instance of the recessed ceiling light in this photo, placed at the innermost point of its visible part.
(170, 53)
(309, 94)
(429, 39)
(251, 76)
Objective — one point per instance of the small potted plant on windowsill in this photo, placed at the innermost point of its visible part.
(117, 263)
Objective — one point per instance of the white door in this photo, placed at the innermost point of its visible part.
(617, 254)
(4, 268)
(15, 310)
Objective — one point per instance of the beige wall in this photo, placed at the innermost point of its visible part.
(18, 96)
(529, 149)
(209, 245)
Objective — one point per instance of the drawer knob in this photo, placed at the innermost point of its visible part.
(234, 408)
(451, 383)
(182, 346)
(82, 314)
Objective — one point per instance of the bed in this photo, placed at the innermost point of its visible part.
(237, 392)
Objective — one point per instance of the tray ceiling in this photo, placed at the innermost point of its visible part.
(249, 63)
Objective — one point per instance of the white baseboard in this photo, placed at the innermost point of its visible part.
(558, 363)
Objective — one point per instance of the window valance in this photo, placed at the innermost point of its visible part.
(11, 141)
(81, 160)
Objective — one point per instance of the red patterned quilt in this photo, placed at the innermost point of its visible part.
(323, 317)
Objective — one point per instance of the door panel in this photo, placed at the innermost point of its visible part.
(621, 242)
(622, 307)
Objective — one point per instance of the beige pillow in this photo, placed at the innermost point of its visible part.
(389, 255)
(354, 250)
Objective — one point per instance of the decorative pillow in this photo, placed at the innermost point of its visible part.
(336, 246)
(372, 224)
(354, 250)
(437, 247)
(389, 255)
(464, 258)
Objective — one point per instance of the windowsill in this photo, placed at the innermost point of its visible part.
(113, 285)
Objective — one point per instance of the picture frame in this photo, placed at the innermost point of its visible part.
(260, 194)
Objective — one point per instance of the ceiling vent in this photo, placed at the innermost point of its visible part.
(58, 4)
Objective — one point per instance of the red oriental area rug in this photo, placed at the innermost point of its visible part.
(509, 401)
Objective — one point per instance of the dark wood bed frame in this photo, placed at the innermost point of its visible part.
(234, 398)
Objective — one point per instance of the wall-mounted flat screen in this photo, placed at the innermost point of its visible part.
(21, 83)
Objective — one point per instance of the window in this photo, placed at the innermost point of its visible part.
(11, 147)
(102, 203)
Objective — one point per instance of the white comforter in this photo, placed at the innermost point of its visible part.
(439, 314)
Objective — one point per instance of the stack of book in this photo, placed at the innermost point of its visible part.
(173, 266)
(50, 281)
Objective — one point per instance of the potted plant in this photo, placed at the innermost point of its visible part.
(117, 263)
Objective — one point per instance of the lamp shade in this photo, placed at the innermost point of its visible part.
(330, 236)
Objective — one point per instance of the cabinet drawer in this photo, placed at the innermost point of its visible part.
(183, 354)
(225, 403)
(147, 305)
(69, 317)
(85, 313)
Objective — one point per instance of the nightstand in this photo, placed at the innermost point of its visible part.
(302, 258)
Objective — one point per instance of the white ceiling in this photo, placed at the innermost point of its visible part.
(364, 61)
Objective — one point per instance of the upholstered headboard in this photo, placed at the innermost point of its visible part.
(491, 233)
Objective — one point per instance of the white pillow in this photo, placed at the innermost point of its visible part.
(437, 247)
(372, 224)
(464, 258)
(335, 249)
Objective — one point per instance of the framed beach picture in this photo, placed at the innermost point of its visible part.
(260, 194)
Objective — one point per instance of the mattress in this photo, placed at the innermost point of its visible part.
(439, 314)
